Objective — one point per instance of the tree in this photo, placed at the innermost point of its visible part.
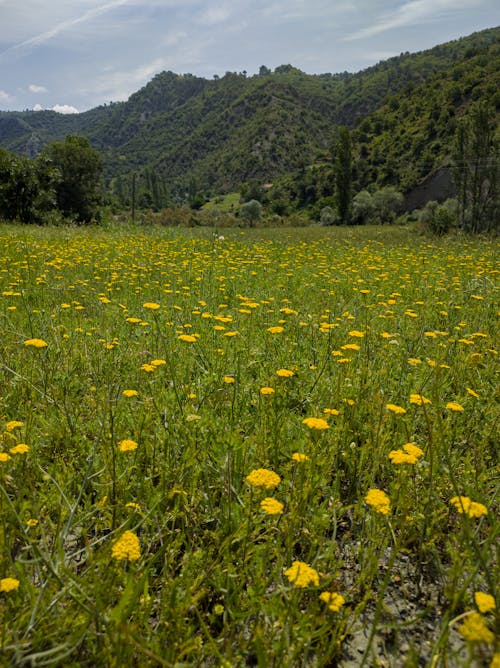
(27, 188)
(476, 157)
(387, 202)
(343, 175)
(251, 212)
(78, 192)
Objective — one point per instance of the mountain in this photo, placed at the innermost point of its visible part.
(204, 135)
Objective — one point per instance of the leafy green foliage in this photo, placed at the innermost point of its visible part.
(80, 166)
(278, 127)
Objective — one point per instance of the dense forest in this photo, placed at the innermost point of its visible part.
(273, 136)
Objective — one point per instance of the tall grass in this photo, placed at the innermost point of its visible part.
(149, 373)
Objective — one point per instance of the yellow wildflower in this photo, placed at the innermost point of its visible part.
(394, 408)
(316, 423)
(302, 575)
(419, 400)
(8, 584)
(284, 373)
(187, 338)
(471, 508)
(409, 454)
(472, 393)
(229, 379)
(36, 343)
(266, 391)
(275, 330)
(300, 457)
(263, 478)
(356, 334)
(379, 501)
(130, 393)
(13, 424)
(333, 600)
(454, 406)
(158, 362)
(126, 547)
(271, 506)
(484, 602)
(20, 449)
(152, 306)
(331, 411)
(4, 457)
(127, 445)
(474, 629)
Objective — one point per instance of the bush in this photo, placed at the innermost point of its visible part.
(439, 219)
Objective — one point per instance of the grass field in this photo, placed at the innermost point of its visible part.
(269, 449)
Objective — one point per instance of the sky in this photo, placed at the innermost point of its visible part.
(72, 55)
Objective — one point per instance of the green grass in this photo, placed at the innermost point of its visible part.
(369, 317)
(229, 203)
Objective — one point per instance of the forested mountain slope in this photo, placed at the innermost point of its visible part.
(212, 135)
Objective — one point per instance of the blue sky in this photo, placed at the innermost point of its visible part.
(76, 54)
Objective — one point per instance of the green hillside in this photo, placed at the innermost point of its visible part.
(209, 136)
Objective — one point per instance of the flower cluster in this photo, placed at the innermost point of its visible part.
(126, 547)
(263, 478)
(301, 574)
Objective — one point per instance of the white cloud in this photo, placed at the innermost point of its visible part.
(411, 13)
(5, 97)
(65, 109)
(38, 107)
(33, 88)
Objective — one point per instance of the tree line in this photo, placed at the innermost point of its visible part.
(65, 180)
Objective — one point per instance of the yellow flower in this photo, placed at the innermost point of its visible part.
(472, 393)
(13, 424)
(158, 362)
(302, 575)
(187, 338)
(4, 457)
(149, 368)
(333, 600)
(299, 457)
(132, 505)
(350, 346)
(379, 501)
(356, 334)
(31, 522)
(474, 629)
(394, 408)
(127, 445)
(266, 390)
(331, 411)
(453, 406)
(284, 373)
(229, 379)
(8, 584)
(419, 399)
(130, 393)
(271, 506)
(20, 449)
(153, 306)
(484, 602)
(275, 330)
(495, 661)
(36, 343)
(471, 508)
(409, 454)
(316, 423)
(126, 547)
(263, 478)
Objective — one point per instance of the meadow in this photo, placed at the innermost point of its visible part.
(263, 449)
